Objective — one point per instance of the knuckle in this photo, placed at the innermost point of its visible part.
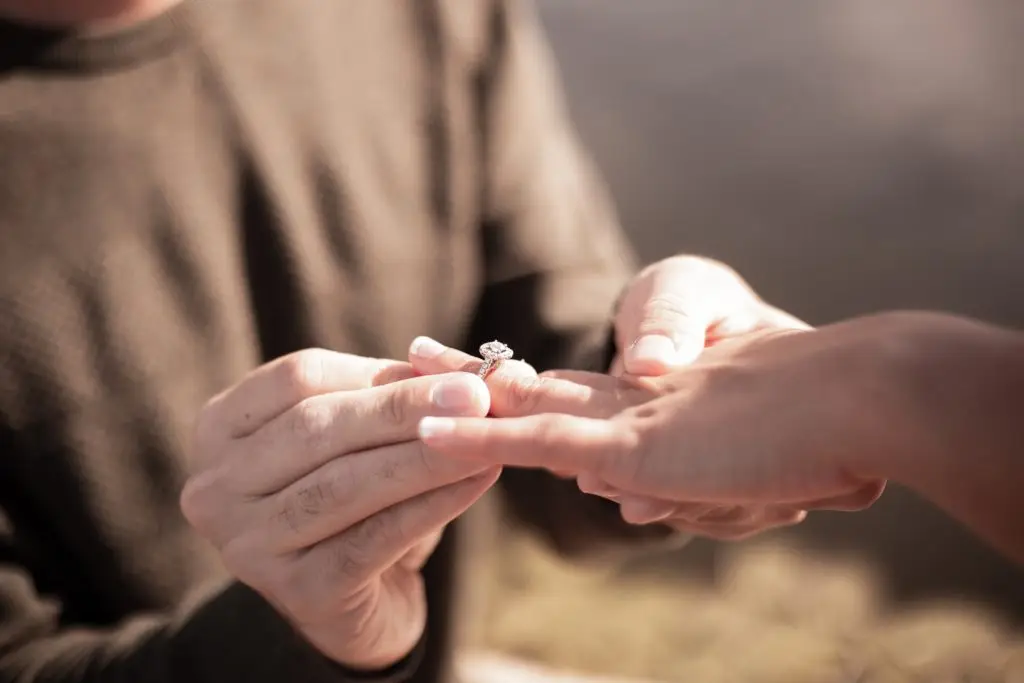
(308, 502)
(513, 368)
(393, 407)
(350, 564)
(304, 373)
(310, 422)
(472, 366)
(523, 394)
(390, 372)
(372, 532)
(552, 384)
(424, 465)
(548, 432)
(425, 459)
(289, 518)
(661, 309)
(356, 557)
(390, 469)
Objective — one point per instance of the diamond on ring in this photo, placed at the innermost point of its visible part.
(493, 352)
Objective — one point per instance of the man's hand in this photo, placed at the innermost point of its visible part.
(677, 307)
(749, 437)
(310, 481)
(514, 385)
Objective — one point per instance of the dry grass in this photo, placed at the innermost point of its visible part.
(780, 617)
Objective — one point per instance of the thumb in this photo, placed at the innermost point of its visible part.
(669, 332)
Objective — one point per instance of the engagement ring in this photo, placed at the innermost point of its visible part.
(493, 353)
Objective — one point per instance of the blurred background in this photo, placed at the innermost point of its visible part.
(846, 156)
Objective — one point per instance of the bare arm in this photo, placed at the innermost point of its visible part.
(962, 383)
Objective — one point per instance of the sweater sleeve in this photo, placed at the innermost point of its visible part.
(556, 261)
(555, 257)
(231, 636)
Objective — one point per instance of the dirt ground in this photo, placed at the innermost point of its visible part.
(778, 616)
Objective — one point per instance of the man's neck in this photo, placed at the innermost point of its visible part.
(89, 15)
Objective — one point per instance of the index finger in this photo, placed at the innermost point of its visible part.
(566, 443)
(271, 389)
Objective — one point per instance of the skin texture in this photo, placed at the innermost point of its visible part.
(764, 427)
(677, 307)
(623, 443)
(309, 480)
(669, 314)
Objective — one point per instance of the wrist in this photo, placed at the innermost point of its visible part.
(938, 383)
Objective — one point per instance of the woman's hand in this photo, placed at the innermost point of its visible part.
(753, 434)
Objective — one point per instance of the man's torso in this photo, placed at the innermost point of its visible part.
(233, 182)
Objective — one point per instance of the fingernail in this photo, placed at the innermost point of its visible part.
(639, 511)
(459, 392)
(653, 347)
(488, 473)
(425, 347)
(434, 427)
(589, 482)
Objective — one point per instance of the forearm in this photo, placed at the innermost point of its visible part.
(962, 385)
(233, 636)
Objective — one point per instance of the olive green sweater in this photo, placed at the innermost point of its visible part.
(227, 183)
